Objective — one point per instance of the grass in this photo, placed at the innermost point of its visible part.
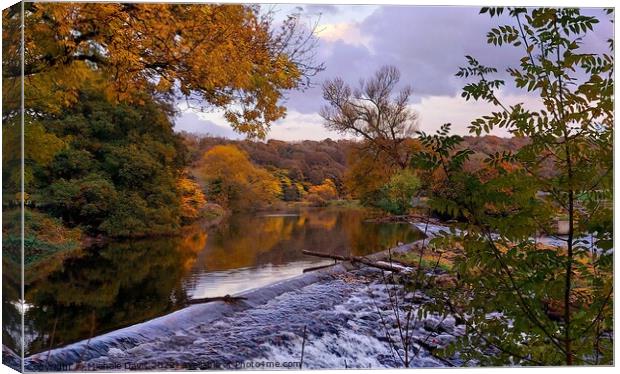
(429, 261)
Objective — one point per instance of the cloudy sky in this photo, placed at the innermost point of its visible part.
(427, 44)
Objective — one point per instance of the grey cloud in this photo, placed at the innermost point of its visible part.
(427, 44)
(321, 8)
(191, 122)
(343, 60)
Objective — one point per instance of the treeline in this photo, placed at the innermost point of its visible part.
(306, 161)
(248, 175)
(307, 170)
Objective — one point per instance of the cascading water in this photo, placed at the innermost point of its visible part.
(340, 314)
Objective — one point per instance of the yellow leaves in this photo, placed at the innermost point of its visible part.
(163, 85)
(58, 87)
(225, 53)
(192, 198)
(219, 160)
(234, 181)
(40, 147)
(321, 194)
(365, 173)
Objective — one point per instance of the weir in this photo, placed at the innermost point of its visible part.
(171, 327)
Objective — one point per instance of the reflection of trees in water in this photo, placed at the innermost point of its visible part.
(344, 232)
(11, 319)
(324, 219)
(125, 283)
(367, 238)
(243, 238)
(250, 240)
(118, 284)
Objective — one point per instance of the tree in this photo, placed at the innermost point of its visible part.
(374, 112)
(40, 147)
(230, 56)
(192, 198)
(366, 175)
(234, 182)
(319, 195)
(303, 163)
(397, 195)
(551, 305)
(118, 170)
(439, 163)
(97, 76)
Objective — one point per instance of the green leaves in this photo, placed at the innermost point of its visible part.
(396, 195)
(506, 34)
(441, 151)
(562, 174)
(474, 68)
(482, 89)
(118, 172)
(493, 11)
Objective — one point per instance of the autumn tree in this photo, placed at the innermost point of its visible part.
(374, 112)
(234, 182)
(366, 174)
(551, 304)
(304, 163)
(232, 57)
(396, 196)
(193, 199)
(321, 194)
(97, 163)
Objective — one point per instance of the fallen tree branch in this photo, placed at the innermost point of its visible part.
(363, 260)
(226, 299)
(307, 270)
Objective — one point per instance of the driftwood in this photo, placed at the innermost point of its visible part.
(307, 270)
(363, 260)
(226, 299)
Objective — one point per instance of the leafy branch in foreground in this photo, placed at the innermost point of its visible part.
(528, 301)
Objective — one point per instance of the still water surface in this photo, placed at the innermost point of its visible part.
(122, 283)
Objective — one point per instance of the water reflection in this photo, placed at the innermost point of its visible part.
(11, 317)
(250, 251)
(105, 288)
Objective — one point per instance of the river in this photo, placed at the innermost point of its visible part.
(104, 288)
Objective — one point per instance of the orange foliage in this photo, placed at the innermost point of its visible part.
(366, 173)
(228, 54)
(192, 198)
(321, 194)
(234, 182)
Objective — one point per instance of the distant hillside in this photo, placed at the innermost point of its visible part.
(312, 161)
(490, 144)
(308, 161)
